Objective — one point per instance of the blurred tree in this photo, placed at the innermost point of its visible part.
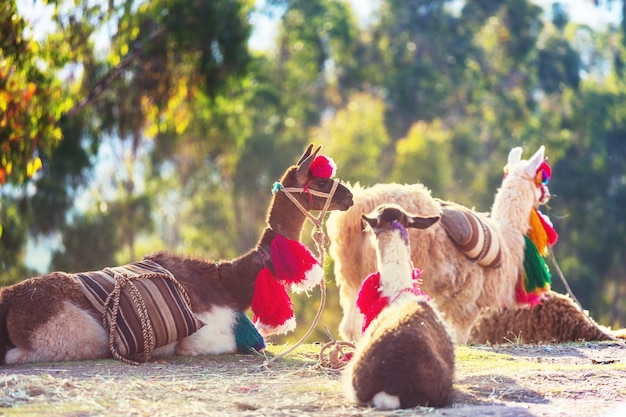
(355, 137)
(424, 156)
(30, 100)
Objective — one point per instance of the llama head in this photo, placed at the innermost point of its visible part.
(312, 180)
(393, 216)
(535, 170)
(389, 219)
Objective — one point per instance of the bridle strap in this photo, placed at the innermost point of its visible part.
(317, 221)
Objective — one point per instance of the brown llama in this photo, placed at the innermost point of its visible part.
(406, 355)
(472, 271)
(558, 319)
(50, 318)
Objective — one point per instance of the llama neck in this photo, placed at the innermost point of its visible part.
(513, 203)
(394, 265)
(285, 218)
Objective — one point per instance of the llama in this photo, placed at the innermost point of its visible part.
(556, 320)
(49, 318)
(406, 356)
(464, 273)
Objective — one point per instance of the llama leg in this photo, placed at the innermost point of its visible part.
(215, 337)
(352, 320)
(71, 334)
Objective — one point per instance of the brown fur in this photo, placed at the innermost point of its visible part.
(459, 286)
(405, 352)
(47, 318)
(406, 356)
(556, 320)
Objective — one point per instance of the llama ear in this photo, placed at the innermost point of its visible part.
(514, 156)
(535, 162)
(306, 154)
(418, 222)
(302, 174)
(371, 221)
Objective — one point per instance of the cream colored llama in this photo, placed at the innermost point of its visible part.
(406, 356)
(51, 317)
(461, 283)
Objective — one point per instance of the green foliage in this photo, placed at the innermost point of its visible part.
(424, 156)
(29, 101)
(359, 127)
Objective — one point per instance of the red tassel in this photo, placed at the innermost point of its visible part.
(323, 167)
(295, 264)
(553, 236)
(369, 301)
(271, 305)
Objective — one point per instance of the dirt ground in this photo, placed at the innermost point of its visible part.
(582, 379)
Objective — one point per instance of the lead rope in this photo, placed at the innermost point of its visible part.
(321, 239)
(571, 294)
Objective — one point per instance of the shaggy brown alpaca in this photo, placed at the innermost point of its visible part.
(461, 280)
(49, 318)
(406, 356)
(556, 320)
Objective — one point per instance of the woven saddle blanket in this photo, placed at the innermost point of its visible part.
(475, 238)
(142, 306)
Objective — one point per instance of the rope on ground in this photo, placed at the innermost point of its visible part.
(332, 356)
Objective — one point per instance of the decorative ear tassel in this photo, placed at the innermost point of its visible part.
(323, 167)
(295, 264)
(369, 301)
(271, 305)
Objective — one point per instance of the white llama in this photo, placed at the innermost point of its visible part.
(462, 271)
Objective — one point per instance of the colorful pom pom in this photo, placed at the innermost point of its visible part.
(295, 264)
(247, 336)
(323, 167)
(271, 305)
(369, 301)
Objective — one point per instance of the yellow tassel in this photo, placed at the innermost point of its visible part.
(537, 234)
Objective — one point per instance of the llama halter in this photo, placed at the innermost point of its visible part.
(293, 264)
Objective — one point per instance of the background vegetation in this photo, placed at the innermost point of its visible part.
(138, 126)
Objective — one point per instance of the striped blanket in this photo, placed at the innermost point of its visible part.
(471, 235)
(142, 306)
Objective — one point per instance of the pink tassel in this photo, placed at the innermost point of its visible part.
(295, 264)
(323, 167)
(271, 305)
(369, 301)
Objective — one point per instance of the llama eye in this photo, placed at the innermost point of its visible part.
(322, 183)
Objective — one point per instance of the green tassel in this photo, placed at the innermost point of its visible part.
(247, 337)
(536, 270)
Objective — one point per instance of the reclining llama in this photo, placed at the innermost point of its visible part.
(406, 356)
(469, 260)
(558, 319)
(54, 317)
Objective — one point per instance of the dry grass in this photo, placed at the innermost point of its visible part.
(511, 380)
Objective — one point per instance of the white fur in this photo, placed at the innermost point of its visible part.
(73, 334)
(384, 401)
(459, 287)
(215, 337)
